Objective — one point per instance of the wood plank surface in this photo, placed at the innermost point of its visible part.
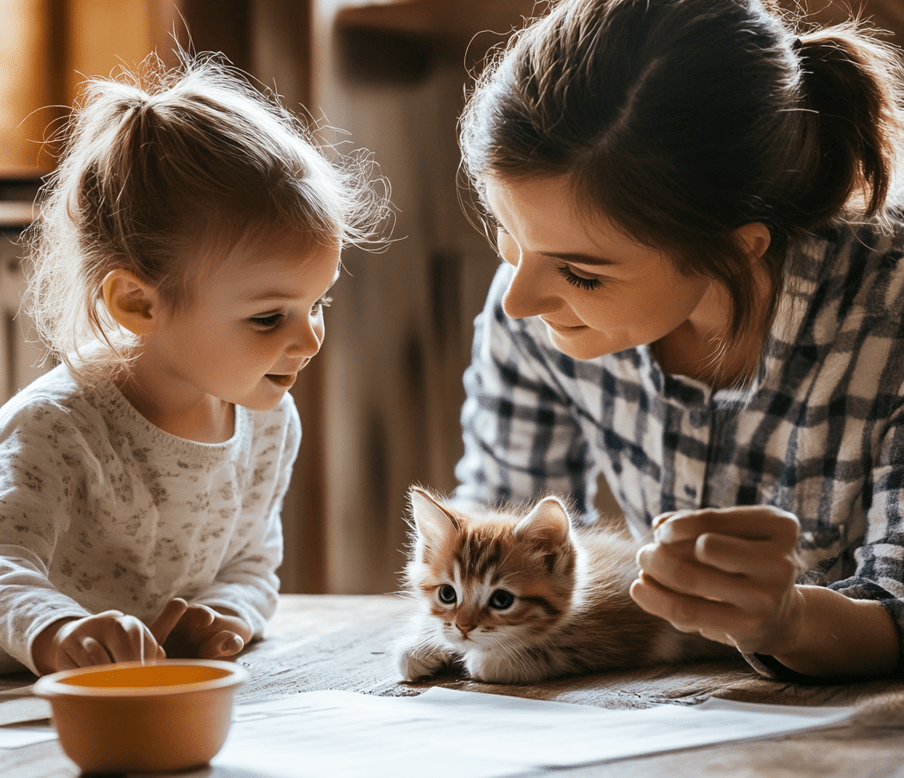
(344, 642)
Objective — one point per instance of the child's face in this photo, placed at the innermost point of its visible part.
(596, 290)
(255, 320)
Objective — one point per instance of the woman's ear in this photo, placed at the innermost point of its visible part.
(131, 301)
(754, 238)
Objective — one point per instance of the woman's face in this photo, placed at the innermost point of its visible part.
(596, 290)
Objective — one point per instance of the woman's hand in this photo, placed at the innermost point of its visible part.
(728, 574)
(197, 631)
(100, 639)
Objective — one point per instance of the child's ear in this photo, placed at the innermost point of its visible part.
(131, 301)
(754, 239)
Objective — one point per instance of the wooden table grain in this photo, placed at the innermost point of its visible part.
(344, 642)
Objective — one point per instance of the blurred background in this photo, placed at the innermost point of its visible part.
(380, 405)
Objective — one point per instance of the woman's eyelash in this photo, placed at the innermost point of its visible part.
(323, 302)
(579, 281)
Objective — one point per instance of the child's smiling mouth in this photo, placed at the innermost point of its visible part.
(282, 380)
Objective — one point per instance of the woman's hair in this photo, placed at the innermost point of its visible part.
(171, 164)
(682, 120)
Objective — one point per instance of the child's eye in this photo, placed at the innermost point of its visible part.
(268, 322)
(579, 281)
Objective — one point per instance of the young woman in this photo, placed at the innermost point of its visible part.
(702, 298)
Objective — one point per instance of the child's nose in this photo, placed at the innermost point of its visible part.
(307, 339)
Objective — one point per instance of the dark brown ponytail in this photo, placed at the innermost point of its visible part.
(851, 85)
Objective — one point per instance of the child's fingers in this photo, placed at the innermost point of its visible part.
(85, 651)
(222, 644)
(167, 619)
(199, 617)
(758, 522)
(126, 639)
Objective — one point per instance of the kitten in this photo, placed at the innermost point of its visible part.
(517, 596)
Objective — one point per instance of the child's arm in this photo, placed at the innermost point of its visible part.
(730, 574)
(246, 586)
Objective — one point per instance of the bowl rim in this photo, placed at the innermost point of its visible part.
(54, 685)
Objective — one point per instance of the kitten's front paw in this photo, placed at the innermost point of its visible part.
(420, 662)
(490, 667)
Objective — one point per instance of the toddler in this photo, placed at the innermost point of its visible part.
(180, 266)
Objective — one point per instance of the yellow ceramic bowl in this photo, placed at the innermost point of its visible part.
(130, 717)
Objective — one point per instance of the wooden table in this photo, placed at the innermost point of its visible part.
(342, 642)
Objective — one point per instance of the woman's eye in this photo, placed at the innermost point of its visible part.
(579, 281)
(501, 599)
(268, 322)
(446, 594)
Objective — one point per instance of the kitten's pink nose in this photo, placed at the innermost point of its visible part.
(465, 629)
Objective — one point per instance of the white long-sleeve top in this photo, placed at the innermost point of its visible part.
(100, 509)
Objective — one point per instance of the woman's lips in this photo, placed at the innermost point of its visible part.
(563, 328)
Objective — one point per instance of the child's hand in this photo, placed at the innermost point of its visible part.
(197, 631)
(728, 574)
(100, 639)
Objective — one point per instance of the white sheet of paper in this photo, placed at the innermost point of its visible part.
(19, 735)
(444, 733)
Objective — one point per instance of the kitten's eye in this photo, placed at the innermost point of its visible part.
(446, 594)
(501, 599)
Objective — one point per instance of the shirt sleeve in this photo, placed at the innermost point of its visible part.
(877, 556)
(247, 583)
(40, 471)
(520, 436)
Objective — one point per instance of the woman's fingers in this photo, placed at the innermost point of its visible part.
(714, 620)
(758, 522)
(757, 560)
(718, 567)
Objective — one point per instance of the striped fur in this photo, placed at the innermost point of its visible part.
(519, 595)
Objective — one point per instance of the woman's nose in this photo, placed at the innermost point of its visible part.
(527, 294)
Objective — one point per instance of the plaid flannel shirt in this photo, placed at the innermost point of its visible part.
(819, 432)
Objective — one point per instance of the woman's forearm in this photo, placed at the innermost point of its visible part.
(835, 635)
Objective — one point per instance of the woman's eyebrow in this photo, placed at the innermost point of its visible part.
(578, 259)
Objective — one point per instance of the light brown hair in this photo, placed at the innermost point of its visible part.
(164, 165)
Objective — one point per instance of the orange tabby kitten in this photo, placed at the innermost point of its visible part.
(517, 596)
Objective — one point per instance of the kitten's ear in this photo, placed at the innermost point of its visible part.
(545, 526)
(435, 525)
